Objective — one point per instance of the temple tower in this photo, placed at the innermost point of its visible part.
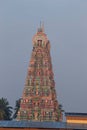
(39, 101)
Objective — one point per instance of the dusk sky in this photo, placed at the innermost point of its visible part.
(65, 23)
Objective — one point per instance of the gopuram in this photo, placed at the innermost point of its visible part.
(39, 100)
(39, 108)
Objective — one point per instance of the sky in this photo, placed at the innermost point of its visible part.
(65, 23)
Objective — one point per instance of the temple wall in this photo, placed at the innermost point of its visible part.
(76, 120)
(30, 129)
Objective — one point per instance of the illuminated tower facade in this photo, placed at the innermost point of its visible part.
(39, 101)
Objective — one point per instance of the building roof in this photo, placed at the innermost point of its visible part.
(75, 114)
(29, 124)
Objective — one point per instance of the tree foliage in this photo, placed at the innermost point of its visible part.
(17, 106)
(60, 112)
(5, 109)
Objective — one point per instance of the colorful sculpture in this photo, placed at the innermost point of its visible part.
(39, 101)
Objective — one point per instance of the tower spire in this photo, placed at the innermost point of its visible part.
(41, 28)
(40, 24)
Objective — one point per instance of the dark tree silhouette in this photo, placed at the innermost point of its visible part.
(60, 112)
(5, 109)
(17, 106)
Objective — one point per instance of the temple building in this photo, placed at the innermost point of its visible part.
(39, 108)
(76, 118)
(39, 100)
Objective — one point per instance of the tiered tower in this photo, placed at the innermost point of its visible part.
(39, 101)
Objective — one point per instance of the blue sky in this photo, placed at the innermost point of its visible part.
(65, 24)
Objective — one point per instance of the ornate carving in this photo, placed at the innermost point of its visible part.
(39, 97)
